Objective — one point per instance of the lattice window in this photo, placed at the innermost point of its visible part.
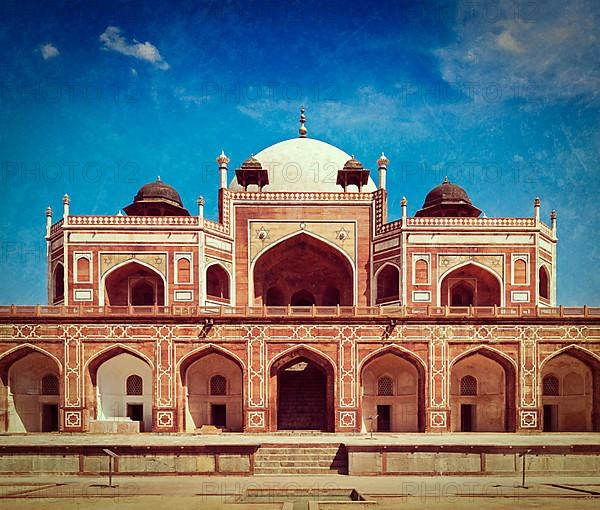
(50, 385)
(218, 385)
(135, 385)
(385, 386)
(550, 386)
(468, 385)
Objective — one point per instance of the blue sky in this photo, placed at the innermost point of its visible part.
(100, 97)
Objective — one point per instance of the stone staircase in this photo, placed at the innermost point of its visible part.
(288, 459)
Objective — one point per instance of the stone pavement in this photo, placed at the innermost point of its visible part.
(207, 493)
(162, 439)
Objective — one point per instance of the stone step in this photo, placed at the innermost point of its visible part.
(297, 470)
(300, 451)
(292, 464)
(297, 456)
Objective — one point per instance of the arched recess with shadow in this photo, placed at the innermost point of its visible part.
(30, 391)
(107, 380)
(217, 283)
(570, 391)
(303, 270)
(302, 391)
(493, 406)
(403, 408)
(58, 283)
(470, 285)
(388, 284)
(544, 283)
(212, 390)
(133, 283)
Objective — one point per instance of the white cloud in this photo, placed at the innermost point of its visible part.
(112, 39)
(555, 54)
(507, 42)
(49, 51)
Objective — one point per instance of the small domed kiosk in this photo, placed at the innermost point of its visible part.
(157, 199)
(448, 200)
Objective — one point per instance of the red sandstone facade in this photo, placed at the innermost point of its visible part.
(301, 308)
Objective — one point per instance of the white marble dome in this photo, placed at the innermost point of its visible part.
(302, 164)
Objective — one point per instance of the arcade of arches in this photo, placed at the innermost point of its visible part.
(303, 271)
(301, 391)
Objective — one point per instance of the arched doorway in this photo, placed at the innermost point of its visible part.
(302, 392)
(58, 284)
(134, 284)
(30, 391)
(569, 392)
(393, 393)
(302, 271)
(482, 393)
(212, 384)
(217, 283)
(388, 284)
(470, 285)
(544, 283)
(120, 390)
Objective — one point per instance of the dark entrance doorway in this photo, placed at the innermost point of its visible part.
(549, 414)
(301, 399)
(467, 415)
(218, 415)
(49, 417)
(136, 413)
(383, 418)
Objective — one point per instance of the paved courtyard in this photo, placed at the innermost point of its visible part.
(208, 493)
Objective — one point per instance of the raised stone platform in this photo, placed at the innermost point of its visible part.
(356, 454)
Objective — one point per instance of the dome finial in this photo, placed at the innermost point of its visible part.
(446, 181)
(158, 178)
(302, 129)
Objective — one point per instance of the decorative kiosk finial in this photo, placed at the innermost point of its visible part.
(382, 164)
(302, 129)
(223, 161)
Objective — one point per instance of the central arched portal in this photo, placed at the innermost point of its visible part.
(303, 271)
(303, 386)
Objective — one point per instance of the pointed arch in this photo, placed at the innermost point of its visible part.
(197, 403)
(285, 386)
(20, 351)
(345, 257)
(224, 282)
(476, 264)
(395, 295)
(420, 367)
(58, 282)
(125, 263)
(576, 350)
(544, 282)
(394, 349)
(94, 362)
(199, 352)
(486, 350)
(510, 370)
(303, 350)
(566, 415)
